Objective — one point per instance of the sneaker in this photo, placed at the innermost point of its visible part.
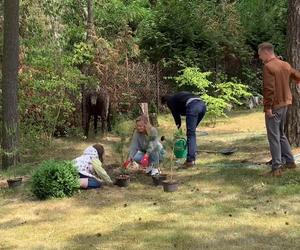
(289, 165)
(155, 171)
(149, 169)
(188, 164)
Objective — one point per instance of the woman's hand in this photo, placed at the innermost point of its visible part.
(145, 161)
(127, 163)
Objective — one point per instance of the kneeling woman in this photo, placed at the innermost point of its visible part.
(89, 166)
(145, 147)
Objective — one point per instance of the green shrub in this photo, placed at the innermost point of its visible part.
(55, 179)
(217, 95)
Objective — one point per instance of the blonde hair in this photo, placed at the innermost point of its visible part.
(145, 120)
(142, 118)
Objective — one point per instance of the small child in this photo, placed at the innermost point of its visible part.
(89, 166)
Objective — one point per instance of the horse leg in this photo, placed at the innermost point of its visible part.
(95, 123)
(104, 125)
(109, 128)
(87, 125)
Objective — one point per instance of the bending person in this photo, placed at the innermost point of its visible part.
(191, 106)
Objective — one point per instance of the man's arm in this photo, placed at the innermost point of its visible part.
(295, 74)
(176, 115)
(269, 90)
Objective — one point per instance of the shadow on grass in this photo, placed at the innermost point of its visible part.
(170, 235)
(252, 144)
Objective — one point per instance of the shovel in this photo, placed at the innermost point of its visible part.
(225, 151)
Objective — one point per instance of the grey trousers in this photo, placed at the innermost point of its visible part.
(279, 145)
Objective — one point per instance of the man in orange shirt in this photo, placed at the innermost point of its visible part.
(277, 97)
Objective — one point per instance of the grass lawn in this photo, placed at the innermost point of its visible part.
(223, 203)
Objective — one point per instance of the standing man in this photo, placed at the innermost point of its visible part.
(277, 98)
(191, 106)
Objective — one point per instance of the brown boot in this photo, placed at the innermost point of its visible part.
(289, 165)
(188, 164)
(274, 173)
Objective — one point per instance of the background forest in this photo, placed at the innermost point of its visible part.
(135, 49)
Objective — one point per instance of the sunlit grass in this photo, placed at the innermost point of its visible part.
(224, 203)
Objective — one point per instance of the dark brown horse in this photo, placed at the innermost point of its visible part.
(97, 104)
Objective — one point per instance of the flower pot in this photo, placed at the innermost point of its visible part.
(122, 180)
(170, 185)
(157, 179)
(14, 182)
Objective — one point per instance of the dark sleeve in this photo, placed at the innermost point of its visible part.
(175, 114)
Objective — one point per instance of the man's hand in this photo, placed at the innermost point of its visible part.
(269, 113)
(298, 87)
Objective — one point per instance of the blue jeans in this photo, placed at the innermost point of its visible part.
(92, 182)
(195, 112)
(154, 157)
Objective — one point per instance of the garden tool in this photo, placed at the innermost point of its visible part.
(179, 146)
(225, 151)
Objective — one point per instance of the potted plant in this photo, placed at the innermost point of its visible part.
(123, 179)
(13, 180)
(158, 179)
(171, 185)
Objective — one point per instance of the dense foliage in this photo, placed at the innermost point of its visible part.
(55, 179)
(219, 96)
(58, 60)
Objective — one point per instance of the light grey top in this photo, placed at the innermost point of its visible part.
(143, 142)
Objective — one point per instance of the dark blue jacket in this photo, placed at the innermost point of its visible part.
(177, 104)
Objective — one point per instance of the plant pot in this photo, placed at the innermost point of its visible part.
(122, 180)
(170, 185)
(157, 179)
(14, 182)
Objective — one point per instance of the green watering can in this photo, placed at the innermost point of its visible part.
(180, 148)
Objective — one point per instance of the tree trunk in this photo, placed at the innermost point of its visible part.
(85, 69)
(10, 126)
(153, 119)
(90, 20)
(293, 116)
(144, 109)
